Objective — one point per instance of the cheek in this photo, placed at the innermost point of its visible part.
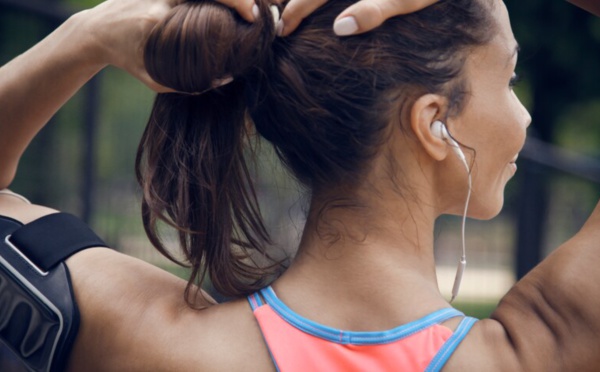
(506, 129)
(517, 119)
(493, 125)
(500, 135)
(497, 135)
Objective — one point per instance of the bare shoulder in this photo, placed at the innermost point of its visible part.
(134, 318)
(487, 347)
(510, 341)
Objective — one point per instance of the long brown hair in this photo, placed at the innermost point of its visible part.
(324, 103)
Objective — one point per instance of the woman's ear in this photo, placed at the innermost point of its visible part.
(426, 110)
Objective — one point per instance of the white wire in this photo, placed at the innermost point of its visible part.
(462, 263)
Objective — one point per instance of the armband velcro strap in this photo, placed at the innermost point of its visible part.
(39, 318)
(54, 238)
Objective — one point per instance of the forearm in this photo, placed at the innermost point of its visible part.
(36, 84)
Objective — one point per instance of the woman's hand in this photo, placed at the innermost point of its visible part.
(118, 30)
(361, 17)
(115, 31)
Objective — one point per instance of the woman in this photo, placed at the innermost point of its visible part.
(370, 125)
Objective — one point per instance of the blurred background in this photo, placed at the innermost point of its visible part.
(82, 162)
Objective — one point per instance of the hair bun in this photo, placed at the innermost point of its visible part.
(202, 42)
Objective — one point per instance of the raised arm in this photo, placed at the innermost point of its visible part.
(36, 84)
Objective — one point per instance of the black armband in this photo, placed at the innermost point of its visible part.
(39, 318)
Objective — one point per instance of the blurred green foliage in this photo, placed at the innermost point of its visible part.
(82, 4)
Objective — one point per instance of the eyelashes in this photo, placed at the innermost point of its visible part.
(514, 80)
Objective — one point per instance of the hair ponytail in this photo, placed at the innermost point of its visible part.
(190, 161)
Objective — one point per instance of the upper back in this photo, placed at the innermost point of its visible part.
(134, 317)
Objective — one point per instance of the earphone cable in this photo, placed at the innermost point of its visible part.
(463, 259)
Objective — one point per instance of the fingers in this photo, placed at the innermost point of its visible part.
(295, 11)
(366, 15)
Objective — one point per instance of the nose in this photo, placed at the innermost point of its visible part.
(526, 117)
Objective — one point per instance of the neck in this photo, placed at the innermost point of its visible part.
(375, 259)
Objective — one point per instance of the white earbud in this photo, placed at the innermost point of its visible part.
(440, 131)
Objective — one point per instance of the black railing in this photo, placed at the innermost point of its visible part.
(562, 160)
(54, 14)
(535, 159)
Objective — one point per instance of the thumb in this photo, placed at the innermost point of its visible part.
(366, 15)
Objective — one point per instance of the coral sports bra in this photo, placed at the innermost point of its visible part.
(298, 344)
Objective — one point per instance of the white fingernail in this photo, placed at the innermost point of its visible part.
(255, 11)
(279, 28)
(345, 26)
(275, 13)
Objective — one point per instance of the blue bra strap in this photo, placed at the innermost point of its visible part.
(352, 337)
(450, 346)
(255, 301)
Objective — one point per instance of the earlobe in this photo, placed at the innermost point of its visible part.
(425, 111)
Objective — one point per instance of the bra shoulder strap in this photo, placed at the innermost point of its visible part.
(446, 351)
